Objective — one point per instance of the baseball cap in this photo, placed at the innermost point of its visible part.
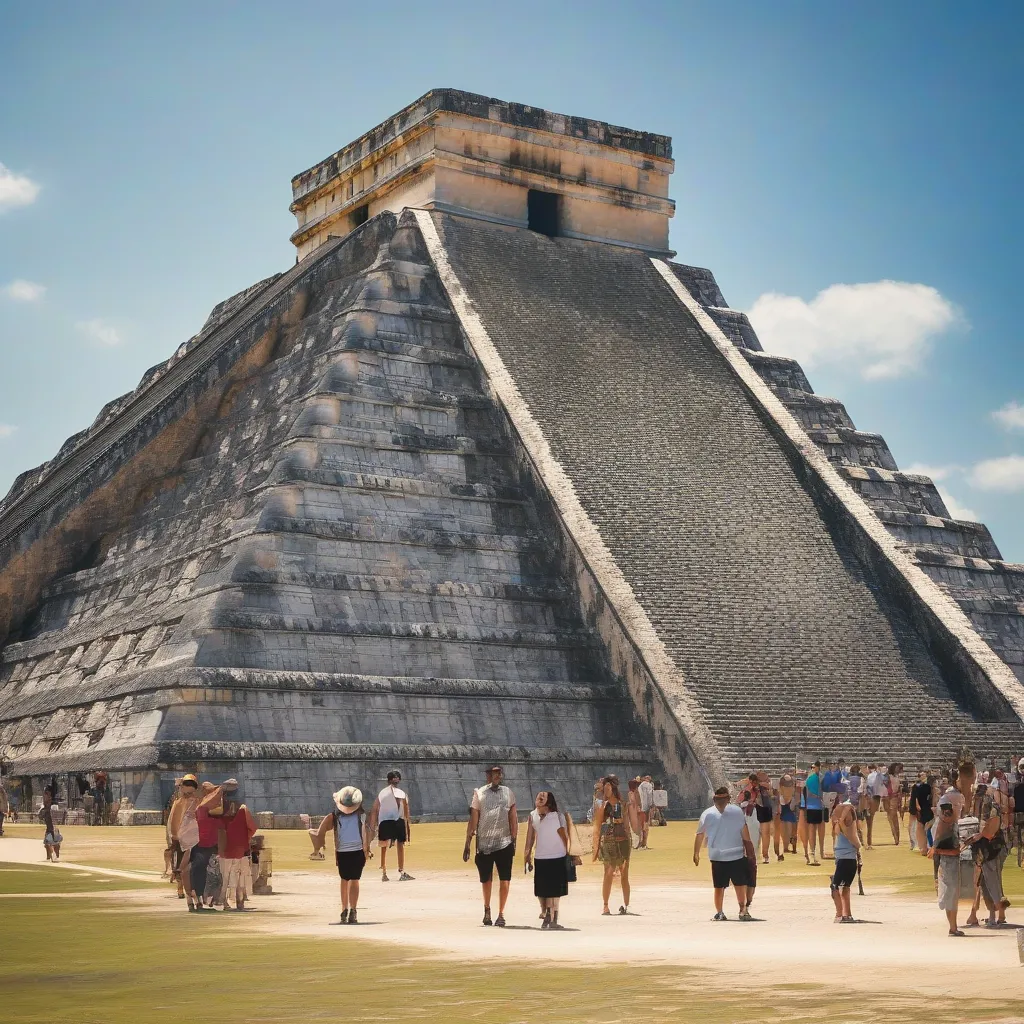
(190, 780)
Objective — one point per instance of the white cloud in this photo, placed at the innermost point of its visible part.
(1002, 474)
(6, 430)
(935, 472)
(956, 510)
(24, 291)
(1010, 416)
(16, 189)
(100, 331)
(882, 329)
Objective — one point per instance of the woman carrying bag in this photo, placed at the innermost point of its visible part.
(548, 829)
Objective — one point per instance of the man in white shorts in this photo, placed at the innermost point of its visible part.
(390, 815)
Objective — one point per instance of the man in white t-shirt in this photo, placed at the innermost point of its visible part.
(391, 816)
(646, 791)
(660, 804)
(723, 826)
(875, 788)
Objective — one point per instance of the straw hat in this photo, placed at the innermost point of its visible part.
(348, 799)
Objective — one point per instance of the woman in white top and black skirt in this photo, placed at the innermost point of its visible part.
(548, 829)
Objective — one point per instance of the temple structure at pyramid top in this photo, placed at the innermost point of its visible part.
(485, 477)
(503, 162)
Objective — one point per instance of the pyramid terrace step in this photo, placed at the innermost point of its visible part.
(408, 583)
(288, 472)
(406, 511)
(332, 529)
(398, 605)
(429, 355)
(936, 533)
(394, 440)
(404, 395)
(253, 645)
(226, 685)
(449, 467)
(814, 412)
(523, 638)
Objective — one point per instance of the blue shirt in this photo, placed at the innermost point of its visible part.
(812, 792)
(830, 780)
(844, 849)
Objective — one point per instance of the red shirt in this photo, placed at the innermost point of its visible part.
(238, 835)
(208, 827)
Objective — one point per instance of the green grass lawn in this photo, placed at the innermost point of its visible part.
(438, 847)
(46, 879)
(96, 962)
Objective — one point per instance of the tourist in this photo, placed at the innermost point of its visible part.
(786, 815)
(351, 846)
(875, 789)
(814, 814)
(234, 851)
(493, 821)
(168, 842)
(756, 803)
(945, 849)
(893, 798)
(598, 801)
(51, 834)
(990, 852)
(5, 806)
(854, 779)
(660, 804)
(101, 799)
(1017, 800)
(846, 848)
(646, 792)
(633, 796)
(208, 814)
(548, 828)
(723, 826)
(390, 815)
(830, 780)
(184, 832)
(613, 827)
(920, 806)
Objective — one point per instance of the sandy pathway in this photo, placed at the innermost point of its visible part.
(904, 939)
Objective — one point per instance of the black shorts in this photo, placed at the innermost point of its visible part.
(845, 873)
(392, 831)
(725, 871)
(350, 865)
(502, 860)
(815, 817)
(764, 815)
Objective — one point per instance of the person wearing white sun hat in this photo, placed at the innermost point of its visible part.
(351, 845)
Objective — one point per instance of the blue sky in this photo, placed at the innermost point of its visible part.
(147, 153)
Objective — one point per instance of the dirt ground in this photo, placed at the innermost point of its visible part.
(899, 941)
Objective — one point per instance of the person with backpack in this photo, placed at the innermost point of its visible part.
(351, 846)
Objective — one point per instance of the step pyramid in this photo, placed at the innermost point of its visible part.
(462, 488)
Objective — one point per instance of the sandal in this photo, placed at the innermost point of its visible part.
(606, 912)
(958, 934)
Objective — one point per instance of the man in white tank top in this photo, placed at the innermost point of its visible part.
(390, 815)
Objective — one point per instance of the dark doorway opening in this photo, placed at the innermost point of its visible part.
(360, 215)
(542, 212)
